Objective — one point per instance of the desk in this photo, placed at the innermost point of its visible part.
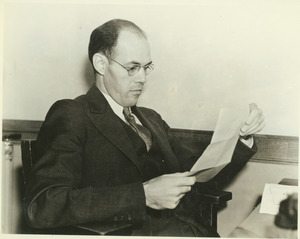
(262, 225)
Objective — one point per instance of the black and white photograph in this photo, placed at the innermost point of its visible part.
(150, 118)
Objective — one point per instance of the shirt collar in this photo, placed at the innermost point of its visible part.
(117, 109)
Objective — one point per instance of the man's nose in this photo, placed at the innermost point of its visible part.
(141, 76)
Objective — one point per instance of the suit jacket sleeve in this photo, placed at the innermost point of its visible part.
(53, 196)
(240, 157)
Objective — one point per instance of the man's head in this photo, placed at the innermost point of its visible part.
(120, 54)
(104, 38)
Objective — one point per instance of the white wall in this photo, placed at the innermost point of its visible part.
(207, 55)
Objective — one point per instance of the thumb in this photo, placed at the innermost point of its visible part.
(252, 106)
(252, 115)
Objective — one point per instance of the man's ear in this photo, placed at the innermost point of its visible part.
(99, 62)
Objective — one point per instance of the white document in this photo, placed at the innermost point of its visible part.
(272, 196)
(219, 153)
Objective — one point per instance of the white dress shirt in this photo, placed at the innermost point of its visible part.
(118, 109)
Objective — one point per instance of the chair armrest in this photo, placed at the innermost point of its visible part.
(214, 197)
(210, 201)
(208, 195)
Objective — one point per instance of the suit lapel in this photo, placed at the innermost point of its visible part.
(160, 136)
(108, 124)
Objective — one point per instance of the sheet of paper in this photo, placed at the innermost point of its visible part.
(219, 153)
(272, 196)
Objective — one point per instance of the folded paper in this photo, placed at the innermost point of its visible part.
(219, 153)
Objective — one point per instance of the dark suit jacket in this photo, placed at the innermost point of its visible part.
(87, 170)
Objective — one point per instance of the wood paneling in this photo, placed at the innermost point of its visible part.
(32, 126)
(27, 128)
(271, 148)
(276, 149)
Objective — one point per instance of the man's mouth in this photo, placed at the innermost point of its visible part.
(136, 90)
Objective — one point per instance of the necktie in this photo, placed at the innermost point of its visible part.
(143, 132)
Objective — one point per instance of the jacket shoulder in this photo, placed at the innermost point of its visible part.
(67, 108)
(65, 105)
(147, 111)
(150, 113)
(65, 117)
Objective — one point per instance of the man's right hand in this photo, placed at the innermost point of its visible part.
(165, 192)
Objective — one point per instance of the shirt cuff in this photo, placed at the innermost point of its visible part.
(249, 142)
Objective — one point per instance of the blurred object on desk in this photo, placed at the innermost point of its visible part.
(273, 195)
(262, 225)
(288, 213)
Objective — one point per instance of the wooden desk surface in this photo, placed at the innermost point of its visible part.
(262, 225)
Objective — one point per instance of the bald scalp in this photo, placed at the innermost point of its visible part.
(105, 37)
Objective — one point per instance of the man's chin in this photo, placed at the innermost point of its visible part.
(132, 101)
(131, 105)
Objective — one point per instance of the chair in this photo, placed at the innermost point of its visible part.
(210, 203)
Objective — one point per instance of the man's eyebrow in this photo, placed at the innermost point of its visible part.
(137, 63)
(149, 63)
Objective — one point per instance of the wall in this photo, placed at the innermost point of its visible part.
(207, 55)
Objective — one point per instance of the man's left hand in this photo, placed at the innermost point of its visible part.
(254, 123)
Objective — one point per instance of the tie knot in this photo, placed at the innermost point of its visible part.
(127, 114)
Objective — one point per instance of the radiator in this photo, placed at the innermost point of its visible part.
(11, 187)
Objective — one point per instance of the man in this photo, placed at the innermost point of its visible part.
(95, 164)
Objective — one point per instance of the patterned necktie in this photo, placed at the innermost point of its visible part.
(143, 132)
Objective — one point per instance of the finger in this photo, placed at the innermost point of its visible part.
(256, 122)
(178, 192)
(258, 129)
(171, 205)
(184, 174)
(185, 189)
(176, 182)
(181, 178)
(188, 181)
(185, 181)
(254, 118)
(180, 196)
(253, 112)
(176, 203)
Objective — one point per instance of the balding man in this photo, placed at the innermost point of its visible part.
(102, 159)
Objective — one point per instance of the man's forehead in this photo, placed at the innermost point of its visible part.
(131, 34)
(132, 44)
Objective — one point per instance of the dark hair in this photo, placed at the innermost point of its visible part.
(104, 38)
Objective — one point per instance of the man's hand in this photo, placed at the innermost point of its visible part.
(165, 192)
(254, 123)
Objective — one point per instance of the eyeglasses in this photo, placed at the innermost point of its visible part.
(135, 69)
